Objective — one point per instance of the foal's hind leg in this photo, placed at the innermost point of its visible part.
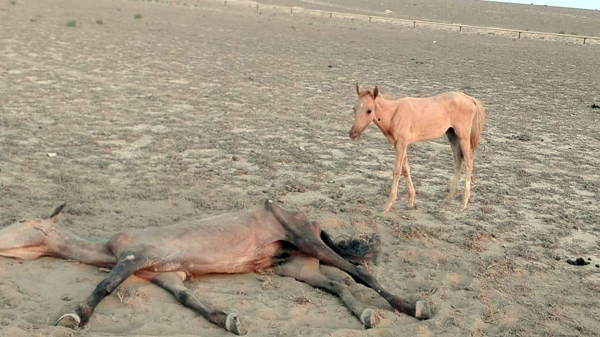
(458, 159)
(173, 283)
(465, 147)
(127, 264)
(306, 269)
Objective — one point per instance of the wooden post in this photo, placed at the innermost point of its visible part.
(459, 29)
(291, 10)
(225, 4)
(257, 8)
(330, 14)
(519, 35)
(369, 19)
(585, 38)
(414, 24)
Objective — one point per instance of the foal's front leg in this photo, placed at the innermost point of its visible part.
(398, 168)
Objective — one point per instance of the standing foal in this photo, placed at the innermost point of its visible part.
(408, 120)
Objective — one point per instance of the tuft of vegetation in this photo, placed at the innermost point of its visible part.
(574, 33)
(71, 23)
(561, 32)
(99, 21)
(138, 16)
(13, 2)
(103, 164)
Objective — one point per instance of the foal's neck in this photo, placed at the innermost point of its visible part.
(384, 112)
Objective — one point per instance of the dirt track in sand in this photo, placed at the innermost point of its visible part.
(146, 114)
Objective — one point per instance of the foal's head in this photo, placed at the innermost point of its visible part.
(363, 111)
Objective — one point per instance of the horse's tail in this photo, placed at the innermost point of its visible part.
(355, 249)
(477, 124)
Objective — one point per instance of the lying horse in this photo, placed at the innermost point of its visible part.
(262, 237)
(408, 120)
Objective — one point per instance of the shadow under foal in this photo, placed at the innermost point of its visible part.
(262, 237)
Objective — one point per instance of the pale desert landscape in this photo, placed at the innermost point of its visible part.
(161, 112)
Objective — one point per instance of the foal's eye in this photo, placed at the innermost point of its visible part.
(369, 111)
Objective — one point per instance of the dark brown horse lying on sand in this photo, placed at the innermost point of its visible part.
(408, 120)
(262, 237)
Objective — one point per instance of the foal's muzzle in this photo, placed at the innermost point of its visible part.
(354, 134)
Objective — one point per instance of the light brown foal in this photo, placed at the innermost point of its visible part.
(408, 120)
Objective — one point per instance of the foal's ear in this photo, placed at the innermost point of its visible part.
(375, 92)
(357, 89)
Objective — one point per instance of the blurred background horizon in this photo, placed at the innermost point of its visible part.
(583, 4)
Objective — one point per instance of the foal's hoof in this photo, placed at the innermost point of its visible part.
(68, 321)
(234, 324)
(422, 310)
(369, 318)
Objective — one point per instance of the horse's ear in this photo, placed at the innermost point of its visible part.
(357, 89)
(375, 92)
(54, 215)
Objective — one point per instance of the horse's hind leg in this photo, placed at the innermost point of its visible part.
(306, 269)
(313, 246)
(306, 236)
(458, 159)
(173, 283)
(127, 264)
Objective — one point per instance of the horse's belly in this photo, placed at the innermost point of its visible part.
(233, 261)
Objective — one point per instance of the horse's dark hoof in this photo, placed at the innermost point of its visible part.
(422, 310)
(69, 321)
(369, 318)
(234, 324)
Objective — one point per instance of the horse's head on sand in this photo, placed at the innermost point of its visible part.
(364, 109)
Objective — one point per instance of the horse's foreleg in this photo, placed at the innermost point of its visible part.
(173, 283)
(127, 264)
(400, 155)
(306, 269)
(315, 247)
(465, 147)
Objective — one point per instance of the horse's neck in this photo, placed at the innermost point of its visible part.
(68, 245)
(384, 113)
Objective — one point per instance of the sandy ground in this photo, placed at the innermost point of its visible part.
(145, 116)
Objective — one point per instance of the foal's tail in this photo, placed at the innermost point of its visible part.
(355, 249)
(477, 124)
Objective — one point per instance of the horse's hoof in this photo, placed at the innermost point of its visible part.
(369, 318)
(422, 310)
(69, 321)
(234, 324)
